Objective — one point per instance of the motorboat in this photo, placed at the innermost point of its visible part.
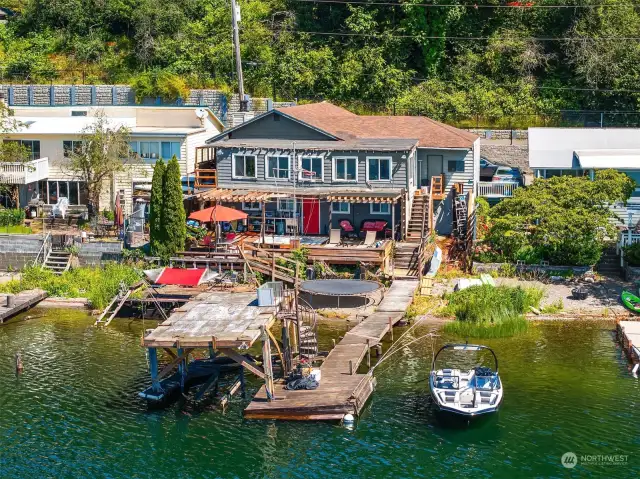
(465, 392)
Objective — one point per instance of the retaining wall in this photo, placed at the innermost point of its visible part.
(530, 268)
(95, 252)
(18, 251)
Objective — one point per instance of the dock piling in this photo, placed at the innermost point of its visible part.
(267, 365)
(391, 327)
(11, 301)
(350, 367)
(153, 366)
(368, 353)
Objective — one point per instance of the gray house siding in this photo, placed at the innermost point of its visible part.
(283, 128)
(330, 184)
(430, 157)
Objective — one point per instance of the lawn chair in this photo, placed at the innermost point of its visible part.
(348, 228)
(370, 239)
(334, 236)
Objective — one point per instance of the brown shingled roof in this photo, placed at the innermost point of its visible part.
(346, 125)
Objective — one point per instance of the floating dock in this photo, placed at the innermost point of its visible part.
(629, 337)
(19, 303)
(341, 391)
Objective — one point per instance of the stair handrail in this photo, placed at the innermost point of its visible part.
(44, 251)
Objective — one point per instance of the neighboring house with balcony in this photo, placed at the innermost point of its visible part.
(582, 151)
(51, 133)
(322, 164)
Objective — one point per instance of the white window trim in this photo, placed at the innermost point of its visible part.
(311, 180)
(333, 168)
(341, 212)
(286, 200)
(390, 168)
(247, 208)
(379, 212)
(233, 167)
(266, 167)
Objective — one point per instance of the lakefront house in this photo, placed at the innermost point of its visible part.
(320, 164)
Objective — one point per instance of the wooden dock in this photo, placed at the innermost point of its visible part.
(21, 302)
(341, 391)
(629, 337)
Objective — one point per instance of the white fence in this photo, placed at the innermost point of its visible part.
(497, 189)
(24, 173)
(625, 239)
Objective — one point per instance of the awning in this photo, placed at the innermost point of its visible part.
(363, 198)
(218, 213)
(602, 159)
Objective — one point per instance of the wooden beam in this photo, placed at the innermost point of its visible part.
(169, 367)
(170, 353)
(240, 359)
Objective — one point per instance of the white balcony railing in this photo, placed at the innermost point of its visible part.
(24, 173)
(497, 189)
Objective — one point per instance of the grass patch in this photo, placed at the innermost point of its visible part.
(421, 305)
(98, 285)
(490, 312)
(16, 230)
(332, 314)
(554, 307)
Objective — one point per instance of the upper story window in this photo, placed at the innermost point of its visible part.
(378, 169)
(32, 145)
(277, 167)
(379, 208)
(345, 169)
(152, 151)
(69, 146)
(455, 166)
(340, 207)
(244, 166)
(312, 168)
(251, 206)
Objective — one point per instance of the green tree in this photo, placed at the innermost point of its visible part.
(156, 230)
(173, 214)
(564, 219)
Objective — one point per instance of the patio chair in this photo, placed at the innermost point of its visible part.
(370, 239)
(348, 228)
(334, 236)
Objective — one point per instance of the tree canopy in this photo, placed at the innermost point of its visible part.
(454, 61)
(563, 220)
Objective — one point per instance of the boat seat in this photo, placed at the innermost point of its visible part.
(466, 397)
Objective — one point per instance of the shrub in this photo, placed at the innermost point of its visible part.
(11, 216)
(632, 254)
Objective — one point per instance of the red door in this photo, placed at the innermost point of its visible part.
(310, 216)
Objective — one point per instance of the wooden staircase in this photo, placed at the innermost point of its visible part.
(265, 262)
(58, 261)
(408, 252)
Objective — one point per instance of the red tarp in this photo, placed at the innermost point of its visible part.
(218, 213)
(181, 277)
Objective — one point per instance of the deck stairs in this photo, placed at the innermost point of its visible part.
(307, 322)
(58, 261)
(406, 255)
(609, 264)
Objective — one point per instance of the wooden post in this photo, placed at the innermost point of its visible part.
(242, 386)
(368, 353)
(333, 342)
(263, 224)
(182, 368)
(391, 327)
(350, 367)
(378, 350)
(19, 366)
(393, 220)
(286, 346)
(273, 266)
(153, 366)
(266, 364)
(11, 301)
(330, 216)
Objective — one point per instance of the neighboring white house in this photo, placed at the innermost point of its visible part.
(155, 132)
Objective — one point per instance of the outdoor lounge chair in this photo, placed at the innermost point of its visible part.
(370, 239)
(334, 236)
(348, 228)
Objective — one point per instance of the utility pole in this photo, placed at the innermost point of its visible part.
(235, 18)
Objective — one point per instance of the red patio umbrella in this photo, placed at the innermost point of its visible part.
(218, 213)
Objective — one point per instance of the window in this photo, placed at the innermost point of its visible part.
(277, 167)
(286, 205)
(69, 146)
(32, 145)
(244, 166)
(345, 169)
(169, 149)
(251, 206)
(340, 207)
(312, 168)
(455, 166)
(380, 208)
(378, 169)
(74, 191)
(149, 151)
(133, 148)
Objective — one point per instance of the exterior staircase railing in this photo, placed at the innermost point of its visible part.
(44, 251)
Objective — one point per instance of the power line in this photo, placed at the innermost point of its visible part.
(514, 5)
(456, 38)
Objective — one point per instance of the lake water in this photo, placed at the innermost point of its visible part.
(74, 414)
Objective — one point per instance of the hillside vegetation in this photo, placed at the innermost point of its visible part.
(527, 60)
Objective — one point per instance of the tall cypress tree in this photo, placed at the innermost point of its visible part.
(173, 214)
(156, 231)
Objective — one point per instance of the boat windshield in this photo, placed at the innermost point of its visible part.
(465, 358)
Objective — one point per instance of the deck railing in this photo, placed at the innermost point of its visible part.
(497, 189)
(23, 173)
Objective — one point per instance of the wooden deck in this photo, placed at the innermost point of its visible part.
(23, 301)
(629, 337)
(341, 389)
(228, 320)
